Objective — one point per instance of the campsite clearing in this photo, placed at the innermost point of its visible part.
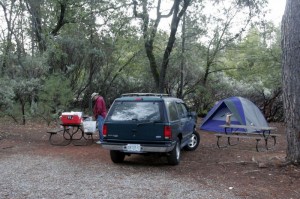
(82, 171)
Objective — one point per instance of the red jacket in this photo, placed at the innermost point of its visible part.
(99, 107)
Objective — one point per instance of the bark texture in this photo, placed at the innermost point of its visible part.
(291, 77)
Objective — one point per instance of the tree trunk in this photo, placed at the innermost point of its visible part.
(8, 44)
(291, 78)
(180, 93)
(23, 111)
(177, 14)
(34, 8)
(149, 36)
(149, 33)
(152, 61)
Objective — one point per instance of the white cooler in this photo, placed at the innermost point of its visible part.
(89, 126)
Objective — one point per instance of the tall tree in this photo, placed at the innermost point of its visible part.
(34, 8)
(10, 17)
(291, 77)
(226, 29)
(150, 27)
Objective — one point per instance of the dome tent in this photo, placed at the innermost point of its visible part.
(244, 112)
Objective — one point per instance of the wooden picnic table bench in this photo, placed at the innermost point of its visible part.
(65, 135)
(54, 132)
(241, 132)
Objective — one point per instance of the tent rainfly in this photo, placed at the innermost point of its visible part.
(243, 112)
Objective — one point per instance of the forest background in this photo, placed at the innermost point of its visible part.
(55, 53)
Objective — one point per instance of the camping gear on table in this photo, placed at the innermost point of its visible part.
(89, 126)
(71, 118)
(242, 111)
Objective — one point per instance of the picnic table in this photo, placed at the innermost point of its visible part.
(247, 132)
(70, 132)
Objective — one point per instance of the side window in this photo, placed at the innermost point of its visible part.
(172, 111)
(185, 111)
(180, 110)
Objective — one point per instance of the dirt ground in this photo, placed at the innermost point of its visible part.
(244, 172)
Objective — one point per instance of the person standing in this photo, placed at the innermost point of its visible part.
(99, 113)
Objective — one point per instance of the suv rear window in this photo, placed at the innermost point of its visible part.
(136, 111)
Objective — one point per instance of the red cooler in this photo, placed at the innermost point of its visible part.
(71, 118)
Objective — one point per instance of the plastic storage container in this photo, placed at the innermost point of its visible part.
(89, 126)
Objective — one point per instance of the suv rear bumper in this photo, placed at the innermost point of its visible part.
(145, 148)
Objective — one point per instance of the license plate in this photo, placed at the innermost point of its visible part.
(133, 147)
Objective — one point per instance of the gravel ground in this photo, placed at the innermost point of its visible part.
(32, 168)
(30, 176)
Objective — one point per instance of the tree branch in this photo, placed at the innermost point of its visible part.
(61, 20)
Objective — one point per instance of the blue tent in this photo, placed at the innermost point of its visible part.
(244, 112)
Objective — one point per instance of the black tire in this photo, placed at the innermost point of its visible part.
(194, 142)
(117, 156)
(174, 155)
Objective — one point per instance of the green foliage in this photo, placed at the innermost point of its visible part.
(98, 46)
(257, 60)
(55, 97)
(6, 96)
(17, 97)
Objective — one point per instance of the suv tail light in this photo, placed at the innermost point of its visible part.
(104, 130)
(167, 132)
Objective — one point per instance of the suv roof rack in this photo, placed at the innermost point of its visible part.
(145, 94)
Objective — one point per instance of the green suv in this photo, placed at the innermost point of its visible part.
(139, 123)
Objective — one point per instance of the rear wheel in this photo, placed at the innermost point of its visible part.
(194, 142)
(117, 156)
(174, 155)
